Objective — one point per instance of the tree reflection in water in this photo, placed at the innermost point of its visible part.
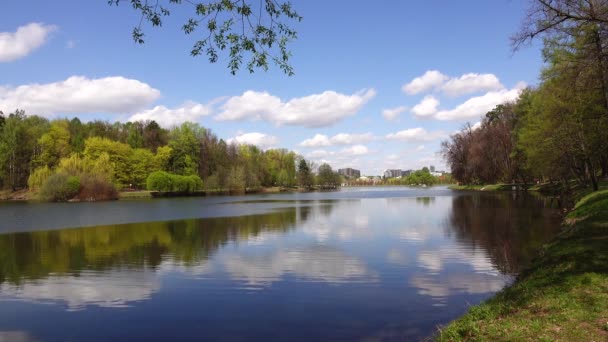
(502, 224)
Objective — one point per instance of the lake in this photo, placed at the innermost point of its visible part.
(385, 263)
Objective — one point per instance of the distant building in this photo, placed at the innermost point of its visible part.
(432, 168)
(392, 173)
(349, 173)
(406, 173)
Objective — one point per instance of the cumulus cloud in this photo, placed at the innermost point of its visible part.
(471, 83)
(426, 107)
(317, 110)
(357, 150)
(321, 140)
(473, 108)
(477, 106)
(317, 154)
(255, 138)
(391, 114)
(431, 79)
(18, 44)
(79, 94)
(417, 134)
(169, 117)
(434, 80)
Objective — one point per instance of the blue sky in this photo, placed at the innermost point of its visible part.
(428, 66)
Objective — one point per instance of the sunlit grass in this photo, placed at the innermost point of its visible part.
(563, 296)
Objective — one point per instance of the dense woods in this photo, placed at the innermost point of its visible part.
(557, 131)
(62, 159)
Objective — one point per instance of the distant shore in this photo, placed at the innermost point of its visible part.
(25, 195)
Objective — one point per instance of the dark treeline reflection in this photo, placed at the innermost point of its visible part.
(509, 226)
(36, 255)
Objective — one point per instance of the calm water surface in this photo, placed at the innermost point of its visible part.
(364, 264)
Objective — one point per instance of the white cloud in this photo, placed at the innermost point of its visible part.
(392, 113)
(434, 80)
(317, 154)
(357, 150)
(255, 138)
(79, 94)
(431, 79)
(417, 134)
(475, 126)
(316, 110)
(321, 140)
(169, 117)
(471, 83)
(478, 106)
(18, 44)
(426, 107)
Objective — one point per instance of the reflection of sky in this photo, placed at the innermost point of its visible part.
(317, 263)
(381, 257)
(113, 289)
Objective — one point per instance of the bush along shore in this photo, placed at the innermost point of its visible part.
(562, 296)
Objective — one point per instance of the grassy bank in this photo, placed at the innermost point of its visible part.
(489, 187)
(563, 296)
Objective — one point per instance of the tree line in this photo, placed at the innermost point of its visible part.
(558, 130)
(98, 157)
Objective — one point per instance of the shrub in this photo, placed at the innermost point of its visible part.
(167, 182)
(39, 177)
(159, 181)
(60, 187)
(212, 183)
(96, 187)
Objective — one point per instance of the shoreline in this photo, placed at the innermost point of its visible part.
(562, 295)
(27, 196)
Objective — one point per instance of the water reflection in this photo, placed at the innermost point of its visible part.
(36, 255)
(350, 268)
(509, 228)
(317, 263)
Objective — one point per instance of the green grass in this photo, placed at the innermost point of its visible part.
(134, 194)
(563, 296)
(488, 187)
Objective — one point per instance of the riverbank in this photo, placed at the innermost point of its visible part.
(562, 296)
(25, 195)
(489, 187)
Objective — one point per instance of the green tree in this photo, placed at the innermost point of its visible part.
(305, 176)
(327, 177)
(119, 154)
(54, 144)
(185, 144)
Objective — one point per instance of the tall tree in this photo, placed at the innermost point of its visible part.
(305, 176)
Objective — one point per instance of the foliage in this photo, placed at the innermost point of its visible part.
(326, 177)
(305, 176)
(54, 144)
(166, 182)
(95, 186)
(38, 178)
(60, 187)
(125, 154)
(246, 29)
